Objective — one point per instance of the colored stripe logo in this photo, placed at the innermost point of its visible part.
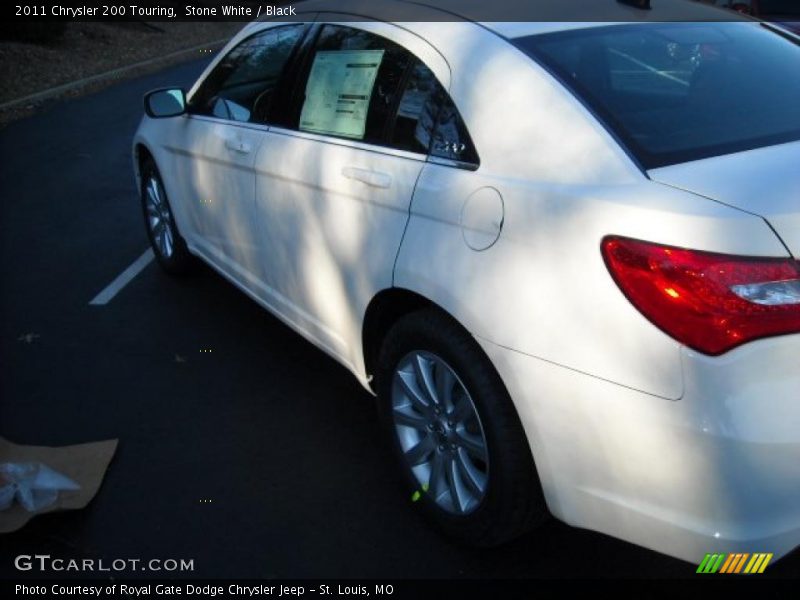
(738, 563)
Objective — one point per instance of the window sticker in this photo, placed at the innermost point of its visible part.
(338, 92)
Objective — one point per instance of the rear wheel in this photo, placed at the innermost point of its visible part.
(168, 246)
(455, 432)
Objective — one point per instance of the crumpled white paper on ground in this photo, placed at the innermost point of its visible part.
(84, 465)
(33, 484)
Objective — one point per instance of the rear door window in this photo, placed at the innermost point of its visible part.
(427, 120)
(361, 86)
(352, 84)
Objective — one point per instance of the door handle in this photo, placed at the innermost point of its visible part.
(371, 178)
(238, 146)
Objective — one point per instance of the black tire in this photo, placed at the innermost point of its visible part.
(513, 501)
(180, 261)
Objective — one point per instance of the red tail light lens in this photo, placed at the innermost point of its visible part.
(709, 302)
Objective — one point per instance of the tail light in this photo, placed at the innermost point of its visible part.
(709, 302)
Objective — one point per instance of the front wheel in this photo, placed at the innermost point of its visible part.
(168, 246)
(456, 433)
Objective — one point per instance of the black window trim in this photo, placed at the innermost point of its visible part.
(451, 162)
(292, 77)
(391, 122)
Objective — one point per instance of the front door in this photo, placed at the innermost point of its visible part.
(220, 139)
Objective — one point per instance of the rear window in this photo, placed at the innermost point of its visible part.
(676, 92)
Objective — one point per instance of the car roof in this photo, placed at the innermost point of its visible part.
(551, 15)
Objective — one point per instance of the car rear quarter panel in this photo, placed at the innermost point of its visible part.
(543, 288)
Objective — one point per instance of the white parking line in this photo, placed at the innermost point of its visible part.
(123, 279)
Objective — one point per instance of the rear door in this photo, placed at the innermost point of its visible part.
(335, 180)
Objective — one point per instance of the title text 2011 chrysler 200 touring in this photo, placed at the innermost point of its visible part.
(564, 256)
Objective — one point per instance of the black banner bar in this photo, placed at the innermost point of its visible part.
(393, 589)
(40, 11)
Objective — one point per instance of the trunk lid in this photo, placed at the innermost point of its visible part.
(764, 181)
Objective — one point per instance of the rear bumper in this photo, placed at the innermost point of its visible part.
(716, 471)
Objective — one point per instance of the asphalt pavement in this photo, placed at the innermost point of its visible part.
(260, 458)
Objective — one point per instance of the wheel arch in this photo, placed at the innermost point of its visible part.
(141, 153)
(383, 311)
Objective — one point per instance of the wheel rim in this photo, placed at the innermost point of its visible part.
(159, 219)
(440, 432)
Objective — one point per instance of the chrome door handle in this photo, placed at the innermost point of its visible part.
(238, 146)
(371, 178)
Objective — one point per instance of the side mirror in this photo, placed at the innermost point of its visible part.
(167, 102)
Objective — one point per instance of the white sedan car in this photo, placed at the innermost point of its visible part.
(563, 256)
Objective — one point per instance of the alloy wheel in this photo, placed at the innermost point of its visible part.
(159, 219)
(440, 432)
